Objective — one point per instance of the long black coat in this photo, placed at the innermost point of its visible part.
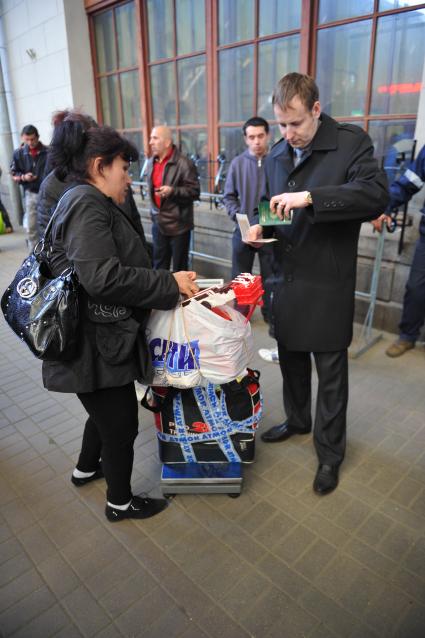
(119, 287)
(316, 254)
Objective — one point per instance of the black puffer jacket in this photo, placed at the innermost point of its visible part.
(119, 288)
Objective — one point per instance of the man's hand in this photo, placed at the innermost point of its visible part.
(28, 177)
(378, 224)
(255, 232)
(186, 282)
(164, 191)
(285, 202)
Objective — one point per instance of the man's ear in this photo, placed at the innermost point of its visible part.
(317, 109)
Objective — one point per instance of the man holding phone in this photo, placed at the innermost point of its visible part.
(173, 186)
(28, 167)
(322, 174)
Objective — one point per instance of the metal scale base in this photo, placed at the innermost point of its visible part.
(201, 478)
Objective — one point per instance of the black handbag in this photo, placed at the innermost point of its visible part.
(41, 309)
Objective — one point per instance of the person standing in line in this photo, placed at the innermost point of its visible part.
(413, 315)
(243, 186)
(322, 173)
(173, 186)
(28, 168)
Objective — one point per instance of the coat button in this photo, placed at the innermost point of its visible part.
(291, 183)
(288, 248)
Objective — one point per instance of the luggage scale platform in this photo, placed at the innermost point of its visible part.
(202, 478)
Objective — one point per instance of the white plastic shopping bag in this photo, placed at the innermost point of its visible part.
(191, 345)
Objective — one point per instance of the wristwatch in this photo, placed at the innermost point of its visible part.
(308, 198)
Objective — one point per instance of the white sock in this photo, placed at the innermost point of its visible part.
(119, 507)
(79, 474)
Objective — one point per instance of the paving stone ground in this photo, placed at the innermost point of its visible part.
(276, 562)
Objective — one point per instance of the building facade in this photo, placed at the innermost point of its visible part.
(205, 66)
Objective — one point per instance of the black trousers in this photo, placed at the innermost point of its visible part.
(332, 398)
(166, 247)
(109, 434)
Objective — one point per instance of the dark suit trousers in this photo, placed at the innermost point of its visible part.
(166, 247)
(332, 398)
(109, 434)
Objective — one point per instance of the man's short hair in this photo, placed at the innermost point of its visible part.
(29, 129)
(256, 121)
(295, 85)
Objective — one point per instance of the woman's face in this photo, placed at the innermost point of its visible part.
(114, 180)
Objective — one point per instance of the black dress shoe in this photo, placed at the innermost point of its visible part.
(140, 507)
(88, 479)
(326, 479)
(280, 433)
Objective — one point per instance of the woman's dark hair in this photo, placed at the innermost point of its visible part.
(77, 138)
(68, 140)
(104, 142)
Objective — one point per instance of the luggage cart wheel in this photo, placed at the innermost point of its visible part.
(234, 495)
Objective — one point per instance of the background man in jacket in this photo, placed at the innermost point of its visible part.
(401, 191)
(325, 173)
(173, 187)
(242, 190)
(28, 168)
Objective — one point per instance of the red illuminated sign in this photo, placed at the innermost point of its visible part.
(406, 87)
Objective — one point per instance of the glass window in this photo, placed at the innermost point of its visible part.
(190, 21)
(160, 22)
(330, 10)
(109, 93)
(276, 16)
(137, 138)
(126, 35)
(399, 59)
(275, 58)
(163, 89)
(236, 83)
(386, 5)
(192, 90)
(130, 97)
(342, 68)
(235, 20)
(393, 143)
(106, 53)
(232, 142)
(194, 143)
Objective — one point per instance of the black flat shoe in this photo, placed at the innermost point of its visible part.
(326, 479)
(140, 507)
(79, 482)
(280, 433)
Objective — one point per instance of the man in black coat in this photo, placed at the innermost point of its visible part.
(323, 174)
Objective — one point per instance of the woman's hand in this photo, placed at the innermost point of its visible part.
(186, 282)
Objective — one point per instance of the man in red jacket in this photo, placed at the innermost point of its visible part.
(173, 186)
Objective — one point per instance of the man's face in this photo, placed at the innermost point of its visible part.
(158, 142)
(297, 124)
(257, 140)
(30, 140)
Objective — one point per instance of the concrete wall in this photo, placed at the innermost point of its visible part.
(49, 67)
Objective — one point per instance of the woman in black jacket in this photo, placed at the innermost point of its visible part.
(107, 248)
